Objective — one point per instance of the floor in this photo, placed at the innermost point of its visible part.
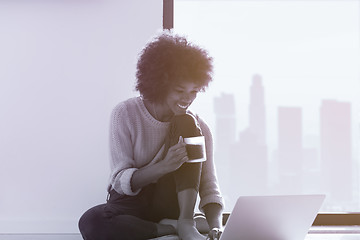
(346, 233)
(78, 237)
(40, 237)
(59, 237)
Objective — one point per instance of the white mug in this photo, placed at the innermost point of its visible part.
(195, 147)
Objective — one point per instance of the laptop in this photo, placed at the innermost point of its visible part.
(272, 217)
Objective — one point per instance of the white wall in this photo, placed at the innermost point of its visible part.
(63, 67)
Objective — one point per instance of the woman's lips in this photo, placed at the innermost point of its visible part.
(183, 106)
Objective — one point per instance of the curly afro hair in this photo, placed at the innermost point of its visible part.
(168, 60)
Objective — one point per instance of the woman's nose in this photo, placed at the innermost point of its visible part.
(187, 97)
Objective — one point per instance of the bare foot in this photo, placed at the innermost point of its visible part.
(187, 230)
(167, 221)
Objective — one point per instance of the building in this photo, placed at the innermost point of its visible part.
(290, 149)
(336, 156)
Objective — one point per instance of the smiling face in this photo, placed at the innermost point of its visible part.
(180, 97)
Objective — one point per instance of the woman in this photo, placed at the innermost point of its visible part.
(152, 187)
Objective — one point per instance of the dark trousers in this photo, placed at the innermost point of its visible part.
(133, 217)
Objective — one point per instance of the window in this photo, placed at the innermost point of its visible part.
(284, 105)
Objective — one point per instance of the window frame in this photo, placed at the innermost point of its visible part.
(326, 219)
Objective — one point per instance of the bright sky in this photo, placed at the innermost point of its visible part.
(305, 51)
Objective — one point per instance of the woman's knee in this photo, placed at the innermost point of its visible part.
(184, 120)
(185, 125)
(99, 224)
(90, 223)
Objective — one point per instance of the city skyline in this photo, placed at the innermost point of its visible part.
(290, 167)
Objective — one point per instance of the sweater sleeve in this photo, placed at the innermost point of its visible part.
(209, 186)
(122, 161)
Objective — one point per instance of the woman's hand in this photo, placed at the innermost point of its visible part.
(175, 156)
(213, 213)
(214, 234)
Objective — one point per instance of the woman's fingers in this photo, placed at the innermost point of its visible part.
(181, 155)
(185, 159)
(214, 234)
(178, 149)
(178, 145)
(177, 154)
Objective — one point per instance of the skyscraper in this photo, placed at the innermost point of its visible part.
(249, 159)
(290, 152)
(225, 132)
(336, 157)
(257, 116)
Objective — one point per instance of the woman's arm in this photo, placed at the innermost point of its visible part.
(211, 200)
(213, 214)
(126, 177)
(209, 186)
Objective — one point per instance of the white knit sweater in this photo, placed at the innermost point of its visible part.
(137, 140)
